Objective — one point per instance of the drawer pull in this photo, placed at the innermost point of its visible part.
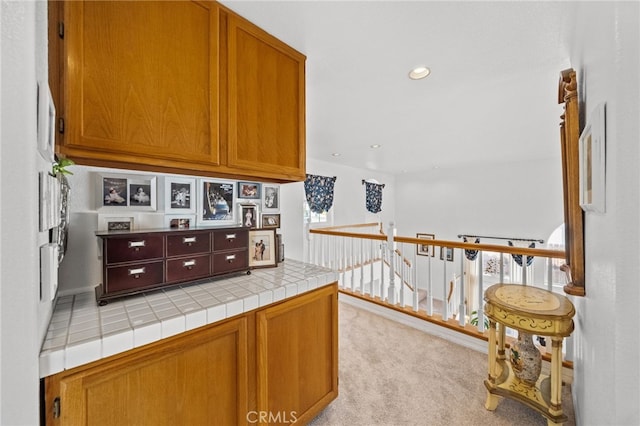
(230, 258)
(188, 240)
(189, 263)
(231, 237)
(136, 272)
(136, 244)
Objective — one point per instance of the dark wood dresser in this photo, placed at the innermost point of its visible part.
(137, 261)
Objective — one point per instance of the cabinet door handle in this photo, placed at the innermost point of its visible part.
(136, 244)
(230, 258)
(188, 240)
(136, 272)
(189, 263)
(231, 237)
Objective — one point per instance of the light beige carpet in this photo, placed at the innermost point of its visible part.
(391, 374)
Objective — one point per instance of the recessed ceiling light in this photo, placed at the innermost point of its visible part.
(336, 154)
(419, 72)
(375, 146)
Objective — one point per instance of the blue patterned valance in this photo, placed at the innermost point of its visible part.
(319, 192)
(471, 254)
(518, 257)
(374, 196)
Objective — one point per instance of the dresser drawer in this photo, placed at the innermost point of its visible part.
(188, 243)
(134, 248)
(133, 276)
(230, 239)
(188, 268)
(230, 261)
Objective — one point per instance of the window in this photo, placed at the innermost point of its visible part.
(311, 217)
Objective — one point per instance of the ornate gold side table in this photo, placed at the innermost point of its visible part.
(535, 311)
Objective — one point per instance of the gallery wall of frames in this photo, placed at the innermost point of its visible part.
(185, 202)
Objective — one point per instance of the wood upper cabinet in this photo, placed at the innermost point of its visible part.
(199, 378)
(266, 102)
(176, 86)
(140, 83)
(298, 356)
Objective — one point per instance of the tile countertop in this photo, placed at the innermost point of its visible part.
(80, 331)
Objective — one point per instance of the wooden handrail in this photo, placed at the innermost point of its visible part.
(526, 251)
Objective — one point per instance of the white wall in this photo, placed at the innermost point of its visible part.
(23, 317)
(348, 203)
(605, 45)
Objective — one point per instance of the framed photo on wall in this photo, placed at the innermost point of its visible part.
(180, 221)
(271, 198)
(248, 215)
(448, 252)
(270, 220)
(591, 155)
(46, 122)
(116, 222)
(262, 248)
(179, 195)
(216, 203)
(249, 190)
(125, 192)
(425, 249)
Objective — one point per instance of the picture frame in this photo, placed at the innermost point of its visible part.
(46, 119)
(425, 249)
(270, 198)
(249, 190)
(591, 157)
(49, 201)
(216, 201)
(180, 221)
(262, 248)
(116, 222)
(179, 195)
(117, 192)
(249, 216)
(270, 220)
(449, 255)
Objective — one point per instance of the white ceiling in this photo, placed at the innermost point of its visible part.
(491, 96)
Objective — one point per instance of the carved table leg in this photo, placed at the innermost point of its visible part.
(492, 400)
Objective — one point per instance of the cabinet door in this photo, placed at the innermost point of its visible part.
(298, 356)
(141, 82)
(266, 103)
(197, 379)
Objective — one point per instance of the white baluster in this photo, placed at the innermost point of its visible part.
(445, 305)
(481, 293)
(461, 308)
(550, 273)
(391, 250)
(362, 266)
(414, 280)
(371, 257)
(430, 286)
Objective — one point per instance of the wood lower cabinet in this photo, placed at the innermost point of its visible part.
(275, 365)
(199, 378)
(298, 357)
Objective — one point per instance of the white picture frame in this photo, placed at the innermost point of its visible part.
(120, 192)
(216, 202)
(180, 196)
(249, 215)
(592, 156)
(180, 221)
(116, 222)
(46, 119)
(49, 201)
(270, 198)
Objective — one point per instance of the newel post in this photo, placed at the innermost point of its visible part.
(392, 296)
